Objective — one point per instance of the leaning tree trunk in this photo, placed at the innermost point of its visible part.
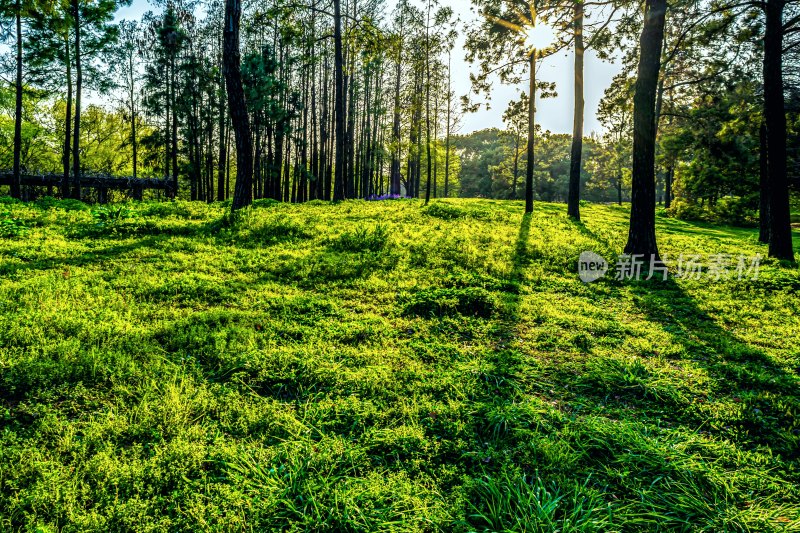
(16, 179)
(780, 226)
(240, 121)
(573, 204)
(642, 234)
(76, 132)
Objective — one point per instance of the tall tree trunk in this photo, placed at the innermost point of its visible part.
(394, 172)
(174, 143)
(780, 231)
(338, 67)
(223, 145)
(447, 134)
(764, 198)
(16, 179)
(243, 194)
(642, 233)
(132, 96)
(325, 186)
(65, 156)
(531, 137)
(76, 142)
(573, 204)
(428, 104)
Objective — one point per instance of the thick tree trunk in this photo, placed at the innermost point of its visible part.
(76, 139)
(339, 111)
(531, 137)
(243, 194)
(764, 199)
(642, 234)
(780, 234)
(573, 203)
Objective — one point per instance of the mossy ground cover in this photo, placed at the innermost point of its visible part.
(386, 366)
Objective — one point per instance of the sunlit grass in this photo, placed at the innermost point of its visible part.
(386, 366)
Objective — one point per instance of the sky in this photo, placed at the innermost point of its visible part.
(554, 114)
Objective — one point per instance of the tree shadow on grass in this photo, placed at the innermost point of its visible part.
(766, 393)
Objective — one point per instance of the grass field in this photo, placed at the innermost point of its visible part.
(386, 366)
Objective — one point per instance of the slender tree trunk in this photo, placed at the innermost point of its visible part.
(394, 172)
(325, 189)
(76, 142)
(531, 137)
(449, 128)
(16, 179)
(243, 194)
(132, 96)
(65, 156)
(428, 105)
(173, 97)
(517, 143)
(764, 198)
(573, 203)
(223, 145)
(780, 228)
(642, 234)
(670, 176)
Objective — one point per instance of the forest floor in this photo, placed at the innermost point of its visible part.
(386, 366)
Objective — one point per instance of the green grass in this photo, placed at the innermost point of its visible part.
(386, 367)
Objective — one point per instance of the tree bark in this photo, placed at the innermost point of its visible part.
(642, 233)
(780, 227)
(243, 193)
(574, 199)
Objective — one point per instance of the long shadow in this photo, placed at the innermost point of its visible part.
(741, 372)
(739, 369)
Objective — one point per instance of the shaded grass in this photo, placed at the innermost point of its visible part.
(369, 366)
